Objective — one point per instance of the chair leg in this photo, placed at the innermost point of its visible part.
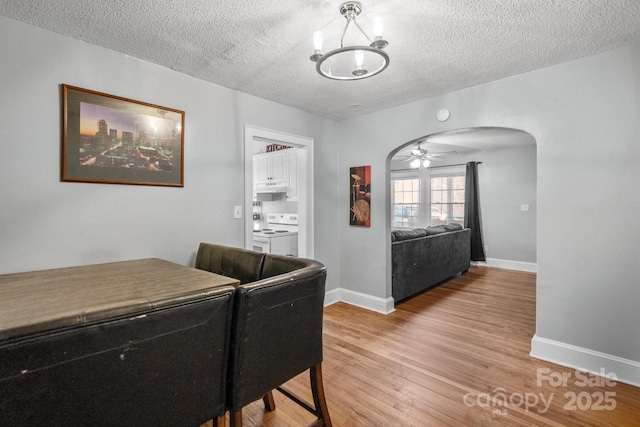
(219, 421)
(235, 418)
(318, 394)
(269, 403)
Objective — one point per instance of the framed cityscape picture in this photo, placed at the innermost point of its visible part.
(114, 140)
(360, 189)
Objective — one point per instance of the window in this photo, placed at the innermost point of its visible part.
(447, 199)
(431, 197)
(406, 199)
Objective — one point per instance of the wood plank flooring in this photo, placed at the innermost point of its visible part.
(447, 358)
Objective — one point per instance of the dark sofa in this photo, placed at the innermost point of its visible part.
(424, 257)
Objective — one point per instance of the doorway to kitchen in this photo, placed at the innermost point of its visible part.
(254, 139)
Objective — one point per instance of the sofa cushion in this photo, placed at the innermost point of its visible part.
(454, 226)
(434, 229)
(398, 235)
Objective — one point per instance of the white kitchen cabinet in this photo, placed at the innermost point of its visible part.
(280, 166)
(292, 188)
(271, 168)
(261, 166)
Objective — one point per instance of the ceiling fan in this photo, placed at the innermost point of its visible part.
(420, 158)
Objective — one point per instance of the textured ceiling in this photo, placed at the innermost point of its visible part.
(262, 47)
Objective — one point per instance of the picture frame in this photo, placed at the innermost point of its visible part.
(109, 139)
(360, 196)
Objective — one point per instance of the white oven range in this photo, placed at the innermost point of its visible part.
(280, 237)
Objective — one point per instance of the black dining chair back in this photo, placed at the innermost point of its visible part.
(276, 334)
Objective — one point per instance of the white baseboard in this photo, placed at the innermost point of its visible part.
(381, 305)
(530, 267)
(626, 370)
(386, 305)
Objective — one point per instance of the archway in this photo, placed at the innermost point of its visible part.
(508, 183)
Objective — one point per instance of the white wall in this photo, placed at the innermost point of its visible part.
(507, 180)
(46, 223)
(584, 117)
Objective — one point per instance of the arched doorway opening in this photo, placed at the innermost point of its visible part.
(507, 180)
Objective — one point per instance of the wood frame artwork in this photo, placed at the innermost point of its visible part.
(360, 196)
(114, 140)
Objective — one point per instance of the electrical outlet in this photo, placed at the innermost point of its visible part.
(524, 208)
(237, 212)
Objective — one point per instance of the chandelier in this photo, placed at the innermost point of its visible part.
(352, 62)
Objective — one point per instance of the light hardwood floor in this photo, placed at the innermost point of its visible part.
(446, 358)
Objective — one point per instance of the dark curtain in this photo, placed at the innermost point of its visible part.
(472, 212)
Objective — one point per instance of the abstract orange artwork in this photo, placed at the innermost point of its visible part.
(360, 202)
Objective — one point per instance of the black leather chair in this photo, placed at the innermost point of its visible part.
(276, 334)
(163, 367)
(276, 327)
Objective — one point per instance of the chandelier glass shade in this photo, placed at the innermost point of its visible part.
(352, 62)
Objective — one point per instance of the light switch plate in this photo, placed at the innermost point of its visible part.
(237, 212)
(524, 208)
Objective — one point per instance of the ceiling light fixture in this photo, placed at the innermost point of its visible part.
(352, 62)
(421, 159)
(419, 163)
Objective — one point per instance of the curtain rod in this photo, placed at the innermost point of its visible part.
(435, 167)
(448, 166)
